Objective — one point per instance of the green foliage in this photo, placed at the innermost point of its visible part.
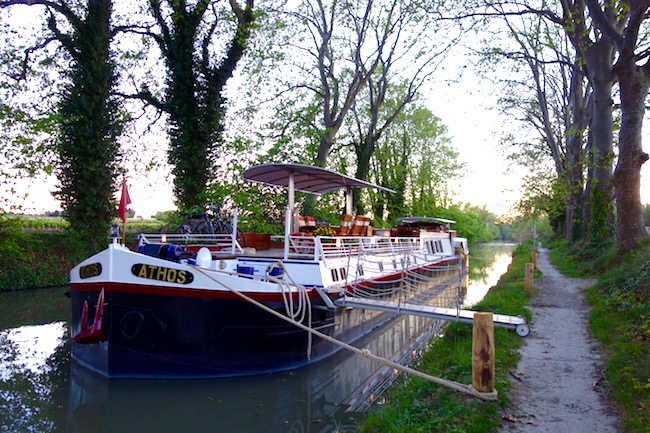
(193, 95)
(584, 258)
(475, 223)
(417, 160)
(620, 320)
(415, 405)
(41, 223)
(90, 124)
(602, 228)
(38, 259)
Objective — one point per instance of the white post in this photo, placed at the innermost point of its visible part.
(287, 231)
(233, 235)
(291, 204)
(348, 200)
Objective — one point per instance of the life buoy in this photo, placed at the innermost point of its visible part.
(302, 243)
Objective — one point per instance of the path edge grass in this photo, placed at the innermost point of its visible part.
(620, 321)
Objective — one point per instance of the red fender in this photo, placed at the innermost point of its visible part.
(92, 334)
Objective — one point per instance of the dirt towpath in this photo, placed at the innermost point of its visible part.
(555, 387)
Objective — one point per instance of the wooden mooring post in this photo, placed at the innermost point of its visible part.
(483, 352)
(528, 280)
(533, 257)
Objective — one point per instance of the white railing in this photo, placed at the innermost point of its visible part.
(225, 243)
(305, 246)
(439, 286)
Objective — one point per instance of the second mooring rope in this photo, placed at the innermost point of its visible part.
(460, 387)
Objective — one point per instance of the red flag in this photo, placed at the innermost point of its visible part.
(124, 201)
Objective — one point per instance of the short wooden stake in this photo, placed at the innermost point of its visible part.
(483, 352)
(528, 281)
(534, 258)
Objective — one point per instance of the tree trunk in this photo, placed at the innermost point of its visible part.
(586, 194)
(364, 151)
(602, 212)
(89, 127)
(326, 143)
(630, 229)
(574, 152)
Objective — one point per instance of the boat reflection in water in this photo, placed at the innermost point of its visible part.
(316, 398)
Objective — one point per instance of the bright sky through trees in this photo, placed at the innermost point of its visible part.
(465, 107)
(474, 129)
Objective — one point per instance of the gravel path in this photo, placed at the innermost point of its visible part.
(555, 387)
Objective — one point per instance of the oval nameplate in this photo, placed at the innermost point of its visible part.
(160, 273)
(91, 270)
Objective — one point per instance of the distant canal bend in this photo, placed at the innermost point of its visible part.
(42, 391)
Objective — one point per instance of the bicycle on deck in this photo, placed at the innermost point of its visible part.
(222, 223)
(193, 223)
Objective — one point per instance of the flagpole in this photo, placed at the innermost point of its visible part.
(124, 220)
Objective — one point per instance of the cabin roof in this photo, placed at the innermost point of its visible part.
(307, 178)
(414, 221)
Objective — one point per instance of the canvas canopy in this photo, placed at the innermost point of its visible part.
(306, 178)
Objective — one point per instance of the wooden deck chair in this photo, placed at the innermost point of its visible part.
(344, 227)
(359, 225)
(366, 230)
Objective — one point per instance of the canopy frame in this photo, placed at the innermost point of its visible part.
(309, 179)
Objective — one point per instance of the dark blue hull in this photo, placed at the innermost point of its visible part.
(154, 336)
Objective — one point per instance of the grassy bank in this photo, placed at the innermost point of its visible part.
(620, 321)
(416, 405)
(37, 259)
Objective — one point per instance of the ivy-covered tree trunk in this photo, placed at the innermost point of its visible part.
(191, 149)
(88, 150)
(193, 97)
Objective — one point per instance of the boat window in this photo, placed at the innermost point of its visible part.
(343, 273)
(335, 275)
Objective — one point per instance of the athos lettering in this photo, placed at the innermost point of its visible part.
(161, 273)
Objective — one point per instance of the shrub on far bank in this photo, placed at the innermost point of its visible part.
(34, 259)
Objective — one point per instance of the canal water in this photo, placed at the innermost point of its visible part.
(41, 390)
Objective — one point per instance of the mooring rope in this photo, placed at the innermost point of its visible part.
(460, 387)
(304, 303)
